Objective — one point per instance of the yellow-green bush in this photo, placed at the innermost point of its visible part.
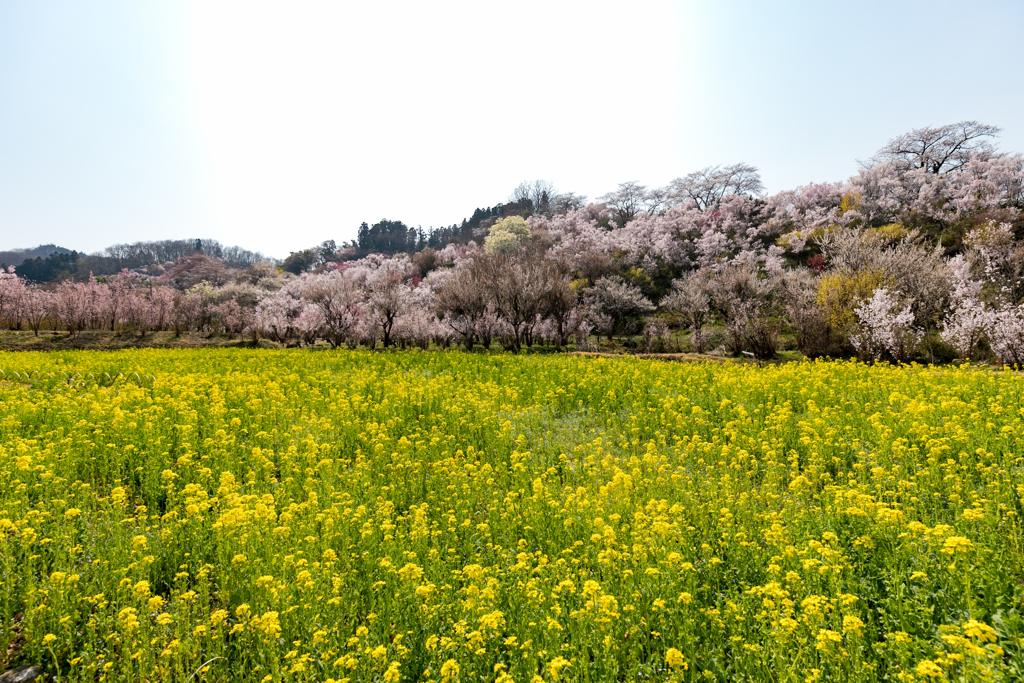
(841, 292)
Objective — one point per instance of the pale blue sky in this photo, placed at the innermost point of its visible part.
(278, 125)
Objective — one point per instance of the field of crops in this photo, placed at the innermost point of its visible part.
(356, 516)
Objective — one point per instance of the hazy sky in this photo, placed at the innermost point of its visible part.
(276, 126)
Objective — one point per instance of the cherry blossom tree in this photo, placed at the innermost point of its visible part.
(814, 334)
(559, 304)
(37, 307)
(1003, 261)
(367, 333)
(706, 188)
(74, 305)
(886, 329)
(135, 313)
(197, 267)
(1006, 335)
(461, 302)
(419, 324)
(161, 299)
(120, 288)
(616, 305)
(515, 285)
(340, 303)
(12, 295)
(387, 297)
(750, 299)
(937, 150)
(308, 323)
(233, 317)
(911, 269)
(691, 298)
(967, 322)
(801, 215)
(626, 201)
(186, 311)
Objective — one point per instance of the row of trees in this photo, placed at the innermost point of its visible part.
(918, 255)
(881, 297)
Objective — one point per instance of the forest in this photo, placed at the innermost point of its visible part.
(918, 256)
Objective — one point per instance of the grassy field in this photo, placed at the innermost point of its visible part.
(105, 340)
(355, 516)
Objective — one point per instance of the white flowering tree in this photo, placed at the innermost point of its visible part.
(885, 329)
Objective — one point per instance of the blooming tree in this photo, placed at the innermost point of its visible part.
(691, 298)
(340, 303)
(1006, 335)
(12, 294)
(615, 305)
(507, 235)
(885, 328)
(387, 297)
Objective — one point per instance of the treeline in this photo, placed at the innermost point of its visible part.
(538, 198)
(918, 256)
(50, 263)
(15, 257)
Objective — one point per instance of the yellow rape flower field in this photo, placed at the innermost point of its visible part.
(236, 515)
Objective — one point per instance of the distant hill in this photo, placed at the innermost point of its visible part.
(15, 257)
(48, 262)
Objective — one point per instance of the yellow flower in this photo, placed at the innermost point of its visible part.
(449, 670)
(128, 619)
(555, 667)
(493, 620)
(826, 637)
(411, 572)
(980, 631)
(501, 674)
(957, 545)
(48, 638)
(852, 625)
(171, 647)
(974, 514)
(929, 670)
(268, 624)
(674, 658)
